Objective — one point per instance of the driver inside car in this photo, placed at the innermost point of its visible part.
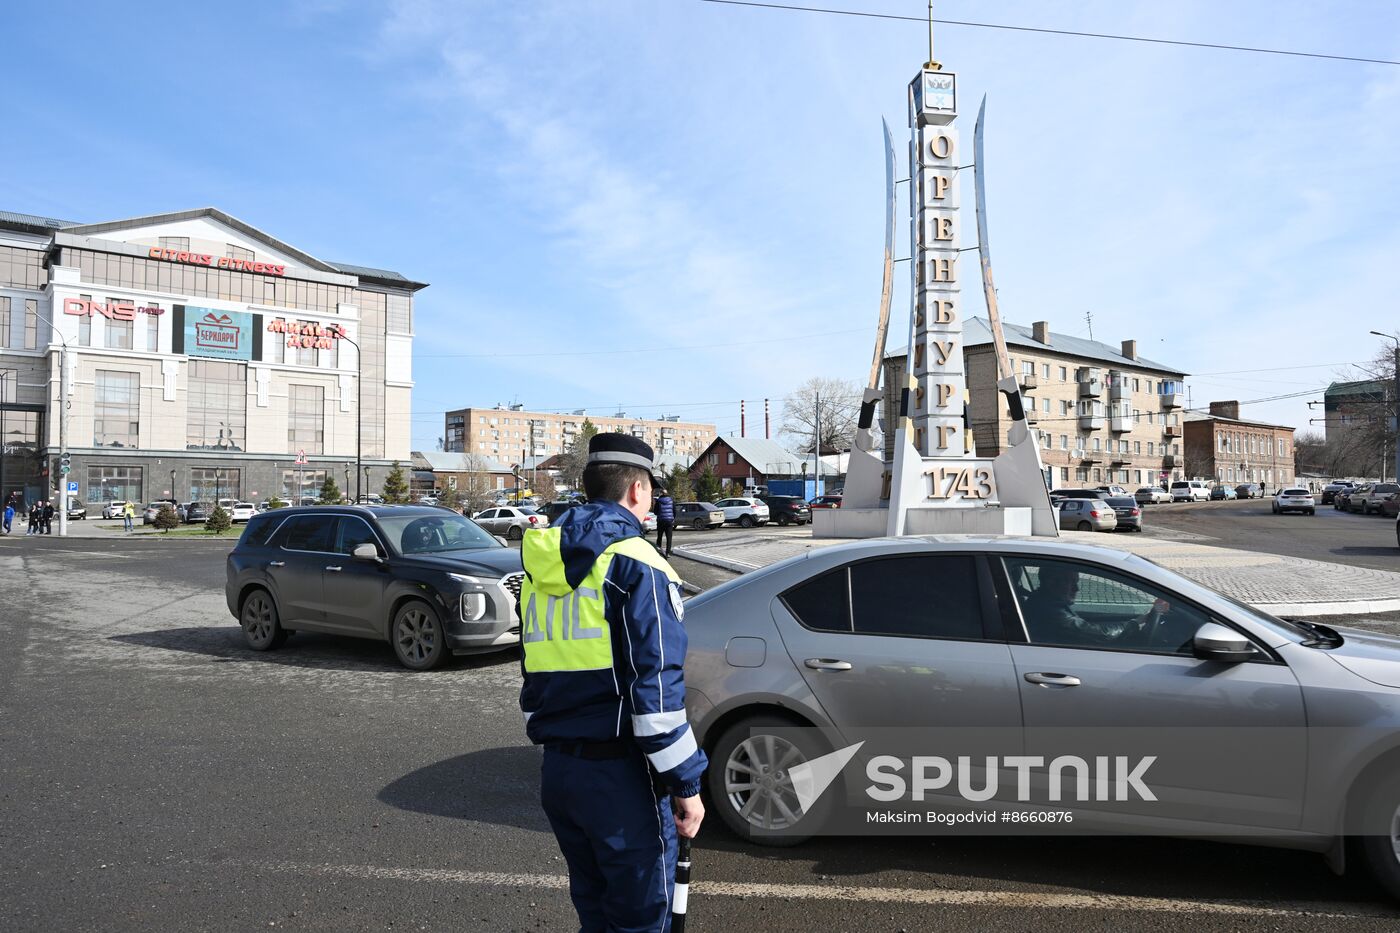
(1051, 617)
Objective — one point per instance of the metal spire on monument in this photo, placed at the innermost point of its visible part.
(936, 483)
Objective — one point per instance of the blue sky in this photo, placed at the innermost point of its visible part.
(579, 176)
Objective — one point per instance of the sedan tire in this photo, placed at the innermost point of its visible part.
(418, 638)
(1084, 526)
(1381, 853)
(515, 533)
(262, 629)
(750, 782)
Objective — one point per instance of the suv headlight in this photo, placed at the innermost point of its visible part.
(473, 601)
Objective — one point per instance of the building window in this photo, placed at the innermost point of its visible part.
(1097, 446)
(1137, 447)
(153, 332)
(210, 484)
(4, 319)
(108, 483)
(398, 316)
(238, 252)
(729, 458)
(217, 406)
(1082, 474)
(1135, 385)
(1029, 369)
(306, 356)
(175, 242)
(1064, 374)
(306, 409)
(22, 268)
(119, 333)
(117, 410)
(302, 484)
(31, 324)
(9, 386)
(1098, 474)
(1064, 442)
(1064, 474)
(1045, 405)
(1065, 407)
(1150, 447)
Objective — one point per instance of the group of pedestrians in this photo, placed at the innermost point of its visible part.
(40, 516)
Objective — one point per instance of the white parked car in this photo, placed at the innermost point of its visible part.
(743, 512)
(1294, 499)
(242, 511)
(116, 508)
(1191, 490)
(1113, 490)
(649, 523)
(1152, 495)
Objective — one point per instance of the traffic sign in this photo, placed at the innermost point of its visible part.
(301, 458)
(72, 485)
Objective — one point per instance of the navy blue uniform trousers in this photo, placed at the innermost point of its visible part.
(618, 837)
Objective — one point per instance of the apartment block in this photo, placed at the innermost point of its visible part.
(507, 431)
(1223, 448)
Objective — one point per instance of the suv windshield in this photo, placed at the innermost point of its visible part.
(436, 533)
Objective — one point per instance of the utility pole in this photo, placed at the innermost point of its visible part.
(817, 449)
(1395, 427)
(62, 424)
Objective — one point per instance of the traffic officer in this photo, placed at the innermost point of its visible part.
(604, 693)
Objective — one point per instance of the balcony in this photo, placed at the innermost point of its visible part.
(1029, 382)
(1089, 456)
(1091, 388)
(1171, 400)
(1171, 430)
(1118, 461)
(1120, 424)
(1119, 390)
(1170, 461)
(1090, 422)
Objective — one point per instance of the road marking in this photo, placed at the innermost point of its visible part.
(920, 896)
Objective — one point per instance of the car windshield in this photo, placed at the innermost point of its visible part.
(436, 533)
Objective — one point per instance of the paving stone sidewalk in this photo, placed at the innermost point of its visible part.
(1274, 583)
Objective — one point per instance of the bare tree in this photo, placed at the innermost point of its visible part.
(839, 410)
(576, 458)
(476, 493)
(1368, 444)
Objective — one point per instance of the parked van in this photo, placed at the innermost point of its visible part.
(1191, 490)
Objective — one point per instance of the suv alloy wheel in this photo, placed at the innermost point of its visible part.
(418, 637)
(261, 628)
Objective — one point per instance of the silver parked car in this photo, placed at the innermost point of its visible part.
(1087, 515)
(1152, 495)
(1268, 731)
(510, 521)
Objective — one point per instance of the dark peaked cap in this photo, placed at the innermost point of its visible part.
(620, 448)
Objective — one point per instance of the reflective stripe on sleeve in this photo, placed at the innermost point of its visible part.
(675, 753)
(657, 723)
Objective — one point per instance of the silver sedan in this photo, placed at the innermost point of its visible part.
(1272, 732)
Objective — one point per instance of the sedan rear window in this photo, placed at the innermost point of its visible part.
(1296, 492)
(922, 596)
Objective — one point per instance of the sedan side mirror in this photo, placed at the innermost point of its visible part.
(366, 552)
(1216, 642)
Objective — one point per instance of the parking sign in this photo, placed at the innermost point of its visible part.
(72, 486)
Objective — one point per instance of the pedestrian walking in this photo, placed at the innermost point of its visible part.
(665, 521)
(604, 693)
(9, 515)
(47, 517)
(34, 512)
(129, 517)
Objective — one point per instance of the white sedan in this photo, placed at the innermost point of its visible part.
(242, 511)
(1294, 499)
(1152, 495)
(743, 512)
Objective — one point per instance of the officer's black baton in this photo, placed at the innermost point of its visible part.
(678, 902)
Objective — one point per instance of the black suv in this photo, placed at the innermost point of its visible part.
(427, 580)
(787, 509)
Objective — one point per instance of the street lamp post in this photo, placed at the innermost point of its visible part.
(1396, 428)
(172, 487)
(62, 422)
(359, 414)
(347, 478)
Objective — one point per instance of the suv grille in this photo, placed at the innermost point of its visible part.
(512, 582)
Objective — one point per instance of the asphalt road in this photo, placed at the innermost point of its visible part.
(1250, 525)
(156, 775)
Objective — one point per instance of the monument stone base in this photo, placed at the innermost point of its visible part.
(873, 523)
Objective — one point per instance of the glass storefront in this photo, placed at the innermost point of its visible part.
(210, 484)
(21, 465)
(108, 483)
(301, 484)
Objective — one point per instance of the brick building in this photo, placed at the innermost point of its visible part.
(504, 432)
(1106, 414)
(1222, 448)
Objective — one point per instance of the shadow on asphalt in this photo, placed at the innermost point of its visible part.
(1127, 866)
(500, 786)
(1350, 551)
(303, 649)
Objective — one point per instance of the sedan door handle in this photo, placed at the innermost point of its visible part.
(277, 563)
(827, 664)
(333, 569)
(1053, 680)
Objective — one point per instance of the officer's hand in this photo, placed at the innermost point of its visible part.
(689, 813)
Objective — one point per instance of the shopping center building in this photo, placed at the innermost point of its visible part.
(205, 359)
